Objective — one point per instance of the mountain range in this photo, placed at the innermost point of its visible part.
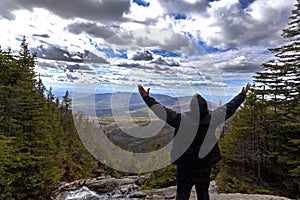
(133, 103)
(112, 106)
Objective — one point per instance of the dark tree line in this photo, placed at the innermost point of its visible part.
(262, 151)
(39, 145)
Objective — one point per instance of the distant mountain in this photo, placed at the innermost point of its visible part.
(136, 106)
(139, 114)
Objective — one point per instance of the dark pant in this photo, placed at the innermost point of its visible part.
(187, 178)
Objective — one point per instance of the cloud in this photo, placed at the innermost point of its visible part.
(41, 35)
(56, 53)
(134, 66)
(160, 68)
(164, 71)
(142, 55)
(89, 9)
(259, 24)
(6, 7)
(238, 32)
(90, 57)
(242, 60)
(152, 38)
(239, 66)
(162, 61)
(92, 29)
(73, 68)
(180, 6)
(71, 77)
(42, 65)
(52, 52)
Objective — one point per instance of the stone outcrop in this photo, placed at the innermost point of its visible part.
(170, 193)
(106, 187)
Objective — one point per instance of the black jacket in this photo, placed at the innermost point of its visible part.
(194, 143)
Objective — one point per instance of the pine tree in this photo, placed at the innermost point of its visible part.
(29, 166)
(39, 144)
(66, 102)
(41, 89)
(50, 95)
(79, 163)
(270, 128)
(280, 79)
(279, 84)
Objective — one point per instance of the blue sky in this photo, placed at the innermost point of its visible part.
(176, 47)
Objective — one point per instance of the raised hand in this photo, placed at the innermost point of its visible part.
(142, 90)
(246, 89)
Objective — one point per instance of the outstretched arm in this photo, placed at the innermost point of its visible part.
(224, 112)
(142, 91)
(235, 103)
(166, 114)
(246, 89)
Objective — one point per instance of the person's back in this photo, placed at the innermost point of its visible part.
(195, 125)
(195, 149)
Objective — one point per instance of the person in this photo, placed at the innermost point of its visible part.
(195, 149)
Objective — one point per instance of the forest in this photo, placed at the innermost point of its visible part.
(39, 145)
(261, 150)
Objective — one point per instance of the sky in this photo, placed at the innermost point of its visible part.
(175, 47)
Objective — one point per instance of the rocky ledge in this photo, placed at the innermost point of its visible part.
(170, 192)
(128, 188)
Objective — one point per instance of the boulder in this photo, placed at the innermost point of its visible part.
(107, 184)
(138, 194)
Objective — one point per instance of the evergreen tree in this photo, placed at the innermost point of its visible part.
(266, 132)
(280, 79)
(29, 163)
(66, 102)
(279, 85)
(50, 95)
(41, 89)
(39, 144)
(79, 163)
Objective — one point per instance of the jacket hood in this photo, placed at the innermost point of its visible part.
(199, 105)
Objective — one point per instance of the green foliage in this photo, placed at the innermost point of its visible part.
(28, 163)
(161, 178)
(38, 142)
(261, 152)
(253, 147)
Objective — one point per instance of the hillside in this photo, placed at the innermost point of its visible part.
(111, 106)
(104, 104)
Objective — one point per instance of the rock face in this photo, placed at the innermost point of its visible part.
(104, 185)
(128, 188)
(244, 197)
(165, 193)
(170, 193)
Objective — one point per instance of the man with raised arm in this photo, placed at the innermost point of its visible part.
(195, 149)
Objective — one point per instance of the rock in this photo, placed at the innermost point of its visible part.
(170, 193)
(108, 184)
(213, 187)
(138, 195)
(107, 187)
(238, 196)
(140, 180)
(165, 193)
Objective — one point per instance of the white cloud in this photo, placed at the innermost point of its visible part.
(232, 26)
(151, 38)
(179, 6)
(69, 9)
(243, 34)
(141, 13)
